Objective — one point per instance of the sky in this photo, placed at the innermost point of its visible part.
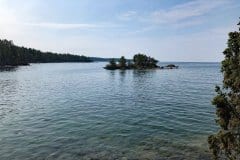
(168, 30)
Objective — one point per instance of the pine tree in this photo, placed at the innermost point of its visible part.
(122, 62)
(226, 143)
(112, 62)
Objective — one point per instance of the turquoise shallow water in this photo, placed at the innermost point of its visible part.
(81, 111)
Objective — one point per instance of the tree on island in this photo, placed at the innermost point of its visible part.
(112, 64)
(122, 62)
(140, 61)
(226, 143)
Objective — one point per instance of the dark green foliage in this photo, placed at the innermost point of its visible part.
(122, 62)
(141, 61)
(113, 62)
(130, 64)
(226, 143)
(112, 65)
(13, 55)
(99, 59)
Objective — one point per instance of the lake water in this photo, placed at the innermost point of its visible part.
(81, 111)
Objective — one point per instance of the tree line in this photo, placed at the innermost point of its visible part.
(13, 55)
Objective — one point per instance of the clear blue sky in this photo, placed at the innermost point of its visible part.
(169, 30)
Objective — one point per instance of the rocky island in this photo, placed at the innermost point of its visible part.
(139, 61)
(169, 66)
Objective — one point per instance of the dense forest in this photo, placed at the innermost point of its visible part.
(12, 55)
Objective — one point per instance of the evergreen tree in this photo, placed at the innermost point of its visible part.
(226, 143)
(122, 62)
(142, 61)
(112, 62)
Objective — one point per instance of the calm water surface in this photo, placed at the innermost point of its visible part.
(81, 111)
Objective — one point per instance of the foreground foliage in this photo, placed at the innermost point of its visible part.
(226, 143)
(13, 55)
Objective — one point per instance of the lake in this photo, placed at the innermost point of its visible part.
(81, 111)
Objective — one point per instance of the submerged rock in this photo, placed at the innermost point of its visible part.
(170, 66)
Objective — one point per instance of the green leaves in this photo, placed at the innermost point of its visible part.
(122, 62)
(226, 143)
(141, 61)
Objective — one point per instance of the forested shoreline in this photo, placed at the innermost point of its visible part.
(13, 55)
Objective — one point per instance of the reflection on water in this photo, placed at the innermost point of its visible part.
(81, 111)
(7, 69)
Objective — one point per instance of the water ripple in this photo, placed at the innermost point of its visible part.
(81, 111)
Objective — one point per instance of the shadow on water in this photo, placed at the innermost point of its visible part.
(8, 69)
(112, 73)
(122, 74)
(136, 73)
(141, 76)
(144, 73)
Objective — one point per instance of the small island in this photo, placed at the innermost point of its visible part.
(169, 66)
(139, 61)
